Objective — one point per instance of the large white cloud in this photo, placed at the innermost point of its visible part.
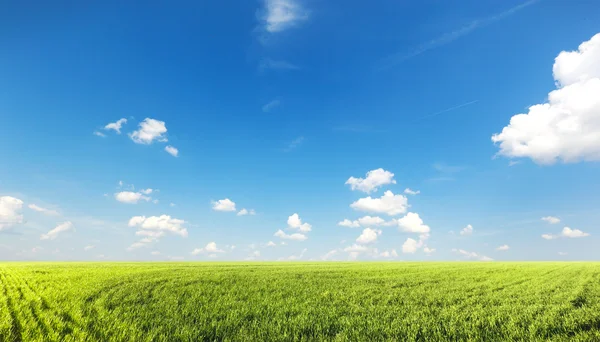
(372, 182)
(567, 233)
(162, 223)
(368, 235)
(10, 211)
(412, 223)
(149, 131)
(294, 222)
(389, 204)
(296, 236)
(223, 205)
(53, 234)
(281, 15)
(567, 127)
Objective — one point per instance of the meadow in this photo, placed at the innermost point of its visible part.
(300, 301)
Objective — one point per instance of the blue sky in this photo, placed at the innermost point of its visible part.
(140, 133)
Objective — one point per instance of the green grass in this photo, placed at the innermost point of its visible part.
(299, 301)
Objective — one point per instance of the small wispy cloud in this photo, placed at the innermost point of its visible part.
(448, 37)
(272, 64)
(271, 105)
(280, 15)
(294, 144)
(447, 110)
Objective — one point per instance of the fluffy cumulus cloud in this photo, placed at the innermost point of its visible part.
(389, 204)
(131, 197)
(503, 248)
(412, 223)
(373, 180)
(280, 15)
(10, 211)
(468, 230)
(551, 219)
(210, 248)
(149, 130)
(53, 234)
(245, 211)
(294, 222)
(428, 250)
(567, 127)
(43, 210)
(365, 221)
(349, 224)
(566, 233)
(172, 150)
(410, 246)
(471, 255)
(116, 126)
(295, 236)
(408, 191)
(153, 227)
(223, 205)
(368, 235)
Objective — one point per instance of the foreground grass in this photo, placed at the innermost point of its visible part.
(299, 301)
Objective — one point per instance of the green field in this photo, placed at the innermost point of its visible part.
(300, 301)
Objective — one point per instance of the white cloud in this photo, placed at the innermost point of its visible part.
(408, 191)
(150, 130)
(294, 222)
(349, 224)
(294, 144)
(172, 150)
(410, 246)
(549, 236)
(155, 253)
(372, 182)
(297, 257)
(562, 253)
(115, 126)
(468, 230)
(271, 244)
(567, 233)
(412, 223)
(99, 134)
(224, 205)
(87, 248)
(10, 211)
(472, 255)
(551, 219)
(210, 248)
(573, 233)
(428, 250)
(368, 236)
(52, 234)
(356, 249)
(270, 106)
(281, 15)
(159, 224)
(329, 254)
(131, 197)
(146, 191)
(245, 211)
(367, 221)
(296, 236)
(389, 204)
(171, 205)
(567, 127)
(503, 248)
